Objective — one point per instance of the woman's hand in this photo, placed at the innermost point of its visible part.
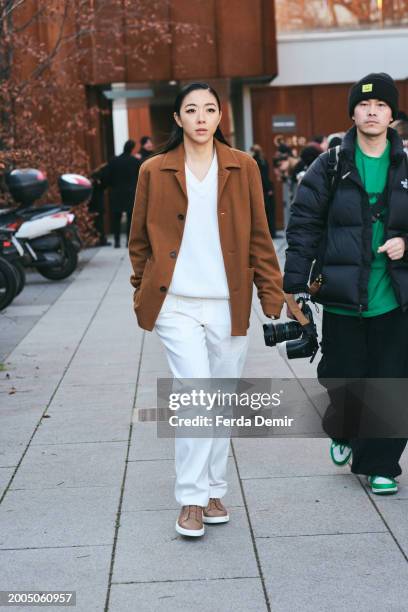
(395, 248)
(295, 296)
(289, 313)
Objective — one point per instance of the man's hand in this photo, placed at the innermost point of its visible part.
(394, 248)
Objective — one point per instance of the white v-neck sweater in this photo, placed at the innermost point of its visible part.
(200, 270)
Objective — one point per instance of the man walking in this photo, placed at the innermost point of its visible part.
(121, 176)
(351, 220)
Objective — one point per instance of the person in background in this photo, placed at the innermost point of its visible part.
(321, 141)
(284, 164)
(401, 115)
(121, 176)
(307, 157)
(146, 148)
(96, 204)
(286, 161)
(267, 187)
(401, 126)
(335, 139)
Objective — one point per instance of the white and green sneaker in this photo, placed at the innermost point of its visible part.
(382, 485)
(340, 453)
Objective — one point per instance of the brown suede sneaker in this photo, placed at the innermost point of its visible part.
(215, 512)
(190, 521)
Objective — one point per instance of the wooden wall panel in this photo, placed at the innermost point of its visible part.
(108, 42)
(239, 37)
(194, 49)
(226, 121)
(23, 60)
(329, 108)
(139, 123)
(148, 40)
(85, 44)
(145, 40)
(269, 101)
(403, 91)
(270, 58)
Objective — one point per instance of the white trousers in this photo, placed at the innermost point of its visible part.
(196, 333)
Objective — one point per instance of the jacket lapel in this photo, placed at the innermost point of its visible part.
(226, 160)
(174, 160)
(181, 179)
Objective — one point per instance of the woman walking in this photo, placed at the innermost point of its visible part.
(199, 239)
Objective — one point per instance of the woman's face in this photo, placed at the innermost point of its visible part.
(199, 116)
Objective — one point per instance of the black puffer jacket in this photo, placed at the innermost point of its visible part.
(337, 235)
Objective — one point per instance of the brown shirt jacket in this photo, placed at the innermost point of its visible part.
(157, 227)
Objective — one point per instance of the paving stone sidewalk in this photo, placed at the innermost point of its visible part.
(86, 488)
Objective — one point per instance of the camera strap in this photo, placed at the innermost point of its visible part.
(333, 173)
(332, 169)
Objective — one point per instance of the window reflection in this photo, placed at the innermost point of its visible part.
(301, 15)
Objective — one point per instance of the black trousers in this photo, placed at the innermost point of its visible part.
(96, 205)
(270, 213)
(374, 347)
(116, 217)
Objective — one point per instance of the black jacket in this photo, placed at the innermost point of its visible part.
(121, 176)
(337, 234)
(263, 166)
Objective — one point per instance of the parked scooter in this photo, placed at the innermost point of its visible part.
(12, 274)
(8, 283)
(48, 234)
(13, 252)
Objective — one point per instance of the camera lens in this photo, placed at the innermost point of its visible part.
(281, 331)
(287, 331)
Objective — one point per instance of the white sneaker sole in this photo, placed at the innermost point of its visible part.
(212, 520)
(193, 533)
(380, 491)
(384, 491)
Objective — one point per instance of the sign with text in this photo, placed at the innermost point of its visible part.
(283, 123)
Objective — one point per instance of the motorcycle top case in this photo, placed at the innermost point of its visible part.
(74, 188)
(26, 185)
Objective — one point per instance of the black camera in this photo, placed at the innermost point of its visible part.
(301, 340)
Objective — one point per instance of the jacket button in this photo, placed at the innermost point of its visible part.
(163, 289)
(181, 217)
(173, 254)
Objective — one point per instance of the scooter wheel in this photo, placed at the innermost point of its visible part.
(66, 268)
(8, 283)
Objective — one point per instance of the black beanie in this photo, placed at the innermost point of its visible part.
(377, 85)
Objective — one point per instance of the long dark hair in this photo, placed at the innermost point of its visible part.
(176, 135)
